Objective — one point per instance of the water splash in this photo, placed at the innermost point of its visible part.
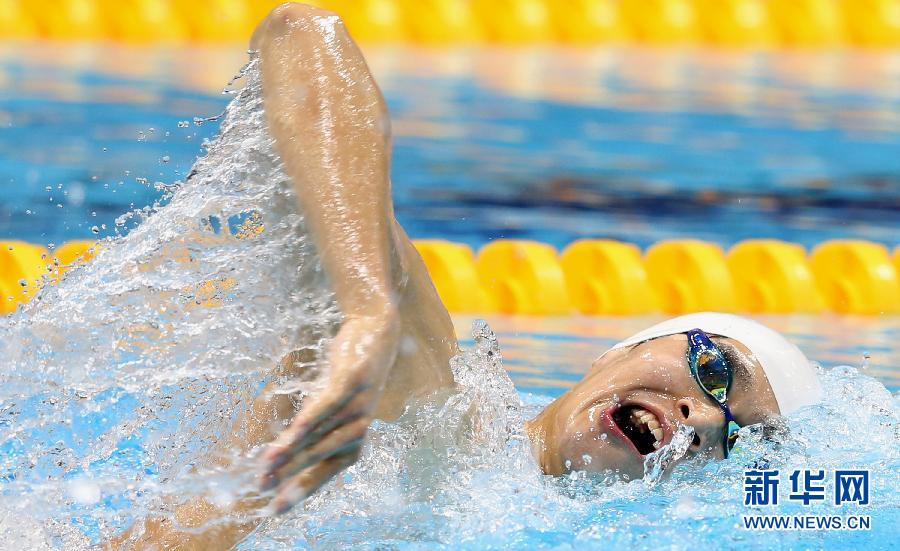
(130, 373)
(660, 462)
(119, 382)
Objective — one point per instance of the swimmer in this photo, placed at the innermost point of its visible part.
(331, 128)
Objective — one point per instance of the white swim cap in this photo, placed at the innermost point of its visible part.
(792, 377)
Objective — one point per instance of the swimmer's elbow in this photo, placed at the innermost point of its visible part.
(294, 14)
(290, 16)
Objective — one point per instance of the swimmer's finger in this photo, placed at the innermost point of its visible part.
(307, 429)
(343, 439)
(307, 482)
(315, 420)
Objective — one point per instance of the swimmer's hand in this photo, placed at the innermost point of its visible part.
(326, 436)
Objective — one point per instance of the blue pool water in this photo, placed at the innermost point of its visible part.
(723, 146)
(118, 382)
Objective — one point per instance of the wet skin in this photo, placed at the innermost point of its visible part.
(580, 426)
(341, 175)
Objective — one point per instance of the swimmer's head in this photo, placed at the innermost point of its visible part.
(637, 393)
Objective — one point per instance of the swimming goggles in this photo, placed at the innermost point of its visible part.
(714, 374)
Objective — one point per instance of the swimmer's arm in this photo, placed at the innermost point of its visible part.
(331, 129)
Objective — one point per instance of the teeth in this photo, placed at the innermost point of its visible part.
(648, 421)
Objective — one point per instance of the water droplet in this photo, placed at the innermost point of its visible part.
(28, 211)
(586, 459)
(23, 282)
(165, 159)
(603, 437)
(686, 506)
(95, 229)
(568, 464)
(84, 491)
(183, 124)
(659, 462)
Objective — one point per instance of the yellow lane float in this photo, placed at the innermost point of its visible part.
(452, 269)
(690, 276)
(872, 22)
(736, 22)
(661, 21)
(70, 19)
(897, 259)
(16, 21)
(589, 21)
(22, 268)
(606, 277)
(372, 20)
(443, 21)
(515, 21)
(808, 22)
(144, 21)
(742, 23)
(590, 276)
(772, 276)
(856, 277)
(523, 277)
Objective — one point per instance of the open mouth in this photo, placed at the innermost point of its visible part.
(640, 426)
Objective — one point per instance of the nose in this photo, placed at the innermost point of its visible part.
(706, 419)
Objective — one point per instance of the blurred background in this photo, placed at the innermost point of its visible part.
(673, 134)
(639, 121)
(629, 119)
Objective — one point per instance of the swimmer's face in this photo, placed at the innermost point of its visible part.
(649, 387)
